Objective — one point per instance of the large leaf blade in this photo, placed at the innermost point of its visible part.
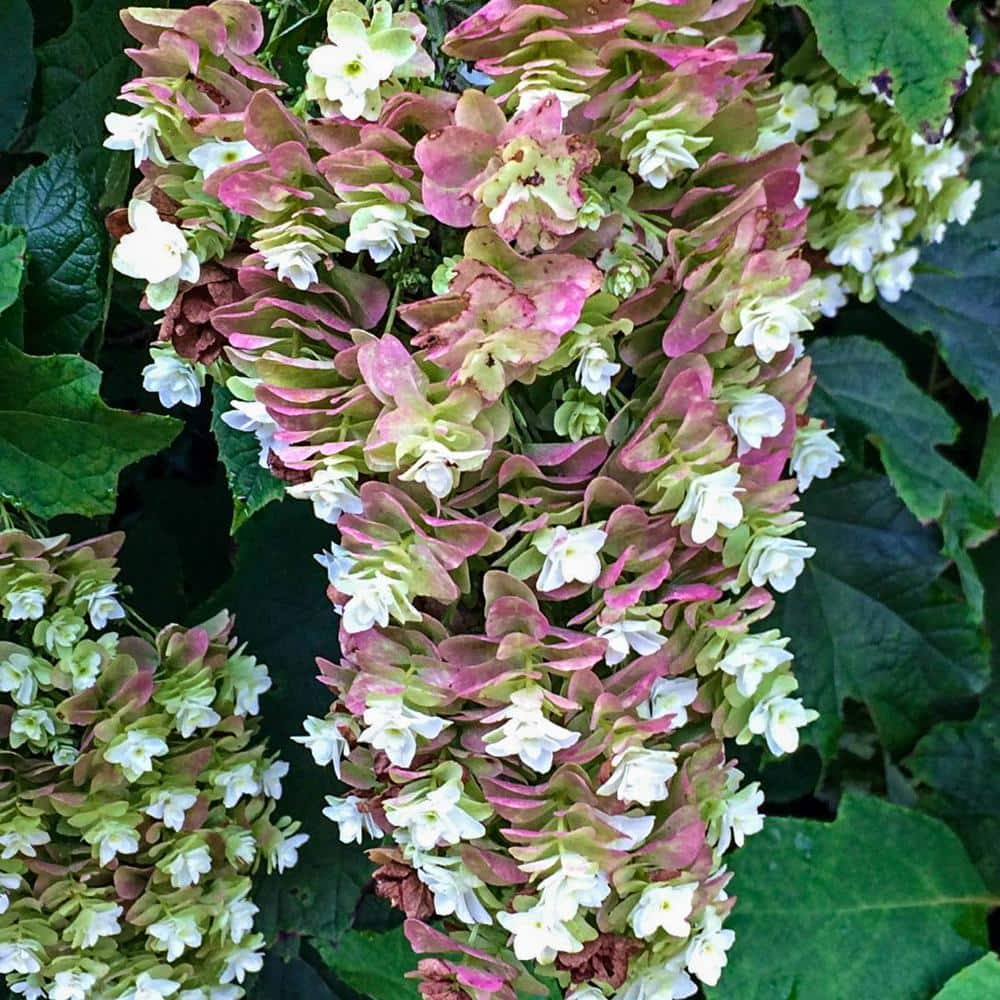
(917, 44)
(883, 902)
(64, 299)
(956, 292)
(869, 622)
(61, 447)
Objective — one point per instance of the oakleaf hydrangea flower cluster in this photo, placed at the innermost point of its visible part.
(535, 354)
(876, 189)
(135, 801)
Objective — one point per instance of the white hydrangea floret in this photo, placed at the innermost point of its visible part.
(640, 775)
(814, 453)
(173, 378)
(894, 275)
(571, 555)
(393, 726)
(664, 907)
(779, 718)
(526, 732)
(670, 696)
(156, 252)
(776, 561)
(641, 636)
(331, 491)
(382, 230)
(751, 657)
(705, 956)
(595, 370)
(325, 741)
(218, 153)
(137, 133)
(663, 153)
(135, 751)
(711, 500)
(754, 417)
(864, 189)
(352, 822)
(767, 324)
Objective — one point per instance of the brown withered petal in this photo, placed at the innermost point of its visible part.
(604, 959)
(283, 472)
(398, 883)
(438, 981)
(186, 323)
(116, 223)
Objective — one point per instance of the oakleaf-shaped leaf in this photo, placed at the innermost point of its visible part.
(956, 292)
(958, 766)
(864, 385)
(61, 447)
(915, 43)
(79, 75)
(883, 902)
(64, 300)
(869, 622)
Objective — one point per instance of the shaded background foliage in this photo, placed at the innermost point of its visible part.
(884, 859)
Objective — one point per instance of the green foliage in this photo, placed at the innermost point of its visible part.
(79, 75)
(292, 980)
(956, 292)
(883, 902)
(915, 41)
(863, 387)
(61, 447)
(863, 384)
(64, 298)
(252, 487)
(286, 618)
(870, 622)
(13, 260)
(958, 764)
(374, 964)
(17, 71)
(979, 981)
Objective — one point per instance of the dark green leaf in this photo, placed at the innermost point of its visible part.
(17, 71)
(959, 764)
(916, 42)
(64, 300)
(284, 615)
(292, 980)
(318, 897)
(80, 73)
(989, 467)
(862, 384)
(868, 622)
(956, 292)
(61, 447)
(979, 981)
(882, 903)
(13, 260)
(13, 251)
(374, 964)
(986, 113)
(252, 487)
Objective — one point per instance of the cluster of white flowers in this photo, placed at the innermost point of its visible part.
(159, 776)
(875, 189)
